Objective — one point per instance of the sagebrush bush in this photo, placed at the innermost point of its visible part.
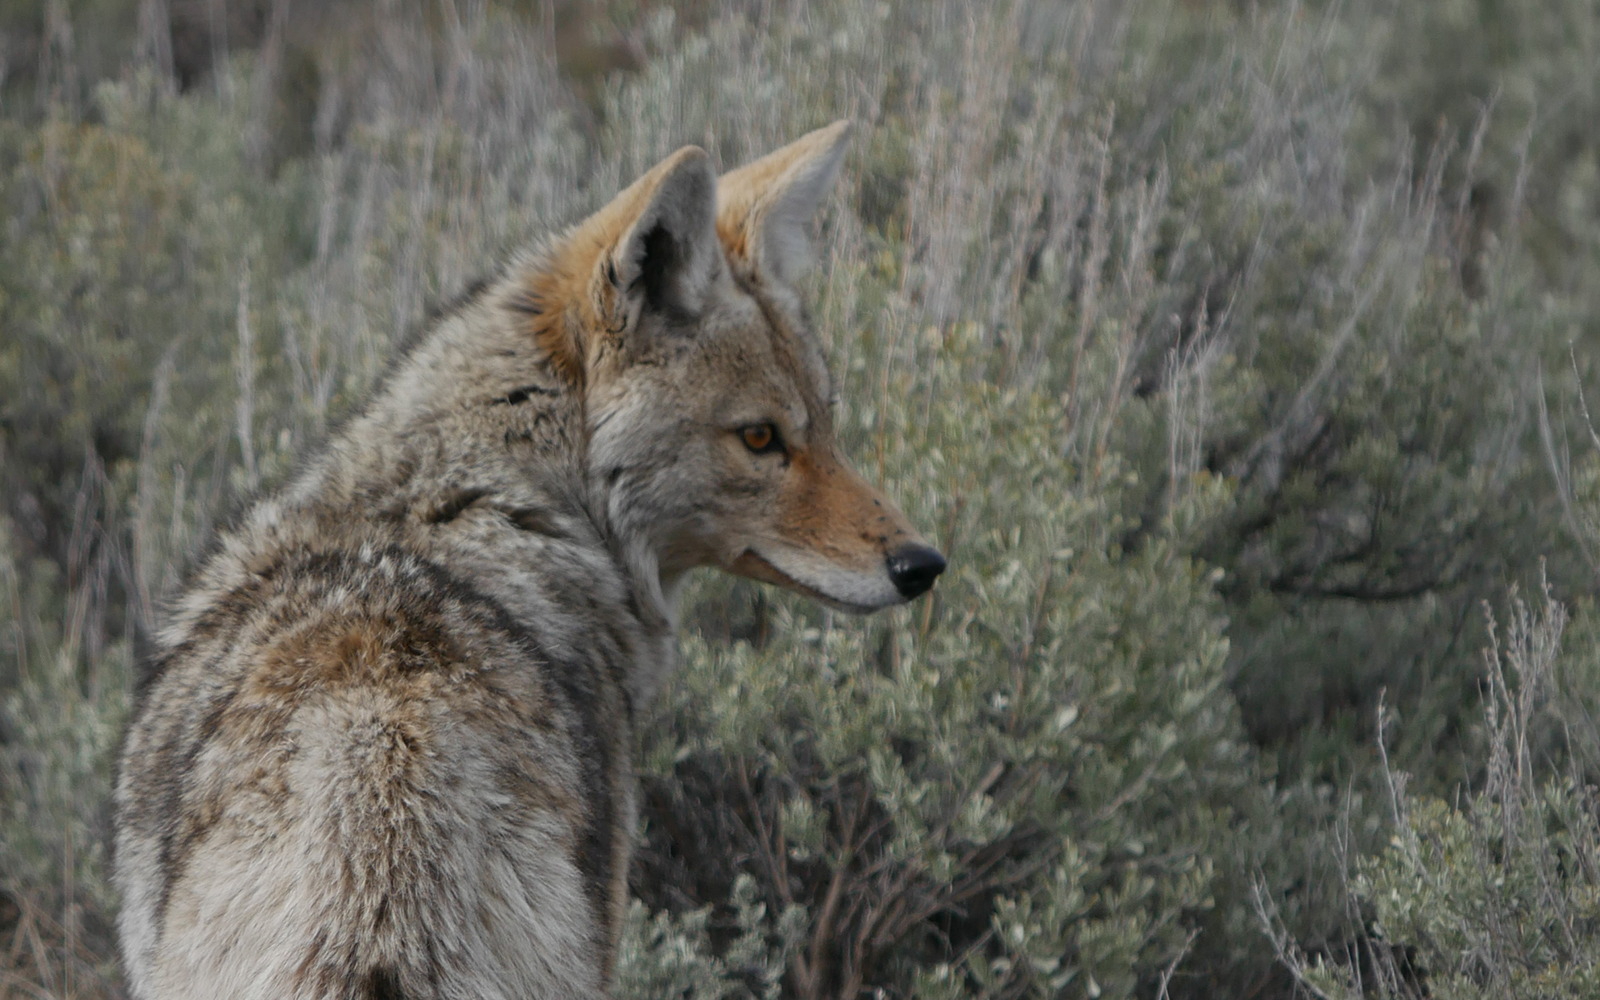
(1024, 785)
(1494, 895)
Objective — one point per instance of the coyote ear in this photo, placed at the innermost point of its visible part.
(667, 255)
(652, 246)
(765, 208)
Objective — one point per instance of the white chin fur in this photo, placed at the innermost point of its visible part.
(845, 589)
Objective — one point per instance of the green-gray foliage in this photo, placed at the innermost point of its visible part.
(1024, 785)
(1495, 895)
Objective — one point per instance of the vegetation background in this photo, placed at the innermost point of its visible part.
(1236, 354)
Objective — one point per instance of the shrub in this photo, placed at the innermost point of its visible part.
(1494, 895)
(1024, 784)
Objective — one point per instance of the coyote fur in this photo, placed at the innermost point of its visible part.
(384, 750)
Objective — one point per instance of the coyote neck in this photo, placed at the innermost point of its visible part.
(472, 454)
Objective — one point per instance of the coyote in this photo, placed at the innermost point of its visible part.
(385, 747)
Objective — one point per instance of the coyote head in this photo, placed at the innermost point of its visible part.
(673, 311)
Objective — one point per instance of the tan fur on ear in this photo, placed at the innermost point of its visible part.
(553, 324)
(765, 207)
(575, 297)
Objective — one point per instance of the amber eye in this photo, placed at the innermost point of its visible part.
(760, 438)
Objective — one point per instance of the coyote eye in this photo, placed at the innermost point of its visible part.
(761, 438)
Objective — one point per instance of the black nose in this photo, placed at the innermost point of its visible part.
(913, 568)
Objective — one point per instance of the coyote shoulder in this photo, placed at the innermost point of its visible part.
(385, 748)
